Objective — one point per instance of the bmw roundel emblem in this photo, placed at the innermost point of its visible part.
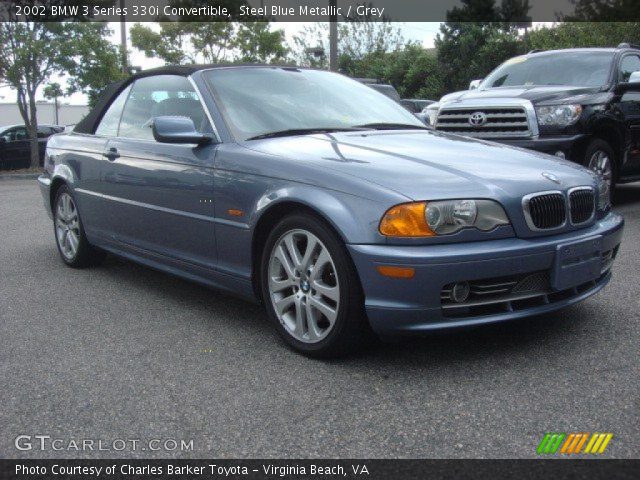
(551, 176)
(477, 119)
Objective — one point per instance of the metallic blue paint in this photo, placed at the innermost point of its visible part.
(167, 206)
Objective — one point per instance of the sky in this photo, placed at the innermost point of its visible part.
(421, 32)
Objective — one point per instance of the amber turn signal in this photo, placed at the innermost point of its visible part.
(406, 220)
(396, 272)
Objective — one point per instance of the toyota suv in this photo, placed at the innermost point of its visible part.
(582, 104)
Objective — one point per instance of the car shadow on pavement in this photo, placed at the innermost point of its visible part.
(249, 320)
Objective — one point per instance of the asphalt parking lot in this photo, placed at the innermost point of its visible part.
(125, 352)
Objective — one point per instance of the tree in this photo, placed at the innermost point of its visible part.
(53, 91)
(34, 50)
(583, 34)
(604, 10)
(210, 42)
(256, 42)
(93, 62)
(358, 37)
(185, 42)
(477, 37)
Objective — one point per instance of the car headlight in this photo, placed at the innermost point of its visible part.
(428, 219)
(558, 115)
(431, 113)
(604, 194)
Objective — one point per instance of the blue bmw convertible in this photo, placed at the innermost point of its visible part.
(325, 201)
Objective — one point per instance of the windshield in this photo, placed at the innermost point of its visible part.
(580, 69)
(260, 100)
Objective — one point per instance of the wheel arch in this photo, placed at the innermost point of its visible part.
(321, 205)
(62, 175)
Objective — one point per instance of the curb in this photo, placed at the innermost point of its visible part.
(19, 176)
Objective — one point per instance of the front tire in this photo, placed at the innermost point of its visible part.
(73, 246)
(600, 158)
(311, 290)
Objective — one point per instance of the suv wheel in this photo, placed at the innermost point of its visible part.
(74, 248)
(600, 158)
(311, 290)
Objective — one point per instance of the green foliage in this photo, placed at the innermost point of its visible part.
(31, 53)
(255, 42)
(34, 51)
(52, 91)
(583, 34)
(604, 10)
(357, 39)
(91, 61)
(210, 42)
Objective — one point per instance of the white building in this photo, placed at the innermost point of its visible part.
(67, 114)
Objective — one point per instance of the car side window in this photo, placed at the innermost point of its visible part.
(16, 134)
(161, 95)
(628, 65)
(108, 126)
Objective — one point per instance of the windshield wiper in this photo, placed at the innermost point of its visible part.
(391, 126)
(302, 131)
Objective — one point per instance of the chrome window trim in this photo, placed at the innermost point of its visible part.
(496, 103)
(204, 107)
(593, 211)
(527, 213)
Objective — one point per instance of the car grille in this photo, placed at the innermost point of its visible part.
(582, 204)
(491, 296)
(546, 211)
(502, 122)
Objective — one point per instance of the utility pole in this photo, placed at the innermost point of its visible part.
(333, 36)
(123, 39)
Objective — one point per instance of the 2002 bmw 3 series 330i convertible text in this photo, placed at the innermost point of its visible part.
(326, 201)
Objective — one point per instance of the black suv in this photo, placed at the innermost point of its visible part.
(582, 104)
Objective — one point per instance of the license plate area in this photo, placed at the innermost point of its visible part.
(576, 263)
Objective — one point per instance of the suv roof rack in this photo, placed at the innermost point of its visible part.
(628, 45)
(535, 51)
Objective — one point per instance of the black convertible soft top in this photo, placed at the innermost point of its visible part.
(89, 123)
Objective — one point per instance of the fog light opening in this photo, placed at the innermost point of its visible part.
(460, 292)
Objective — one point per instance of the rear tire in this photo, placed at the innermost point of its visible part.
(311, 290)
(71, 240)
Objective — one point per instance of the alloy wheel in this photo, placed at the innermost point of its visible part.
(601, 164)
(303, 286)
(67, 226)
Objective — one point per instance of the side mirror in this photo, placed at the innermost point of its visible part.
(475, 83)
(167, 129)
(632, 85)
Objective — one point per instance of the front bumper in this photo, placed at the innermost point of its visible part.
(402, 306)
(572, 146)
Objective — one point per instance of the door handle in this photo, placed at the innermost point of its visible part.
(111, 154)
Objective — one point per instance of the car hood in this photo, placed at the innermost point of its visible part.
(541, 94)
(427, 164)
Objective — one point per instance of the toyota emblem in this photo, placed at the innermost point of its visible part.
(477, 119)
